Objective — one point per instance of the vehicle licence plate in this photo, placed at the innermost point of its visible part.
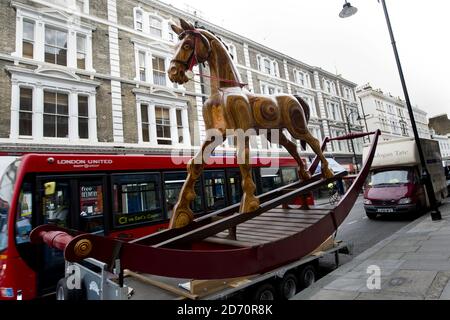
(385, 210)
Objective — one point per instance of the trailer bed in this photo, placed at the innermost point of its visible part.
(150, 287)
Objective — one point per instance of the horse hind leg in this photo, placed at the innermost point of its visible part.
(292, 149)
(315, 146)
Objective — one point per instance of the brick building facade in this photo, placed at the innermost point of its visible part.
(90, 76)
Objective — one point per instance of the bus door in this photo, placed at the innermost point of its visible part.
(69, 202)
(56, 206)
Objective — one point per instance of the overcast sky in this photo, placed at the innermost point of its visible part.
(357, 47)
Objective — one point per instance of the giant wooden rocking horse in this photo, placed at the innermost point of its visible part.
(265, 234)
(232, 107)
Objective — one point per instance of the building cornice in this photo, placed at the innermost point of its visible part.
(52, 73)
(64, 15)
(180, 13)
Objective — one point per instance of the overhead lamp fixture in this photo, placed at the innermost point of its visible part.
(347, 10)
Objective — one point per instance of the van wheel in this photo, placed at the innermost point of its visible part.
(307, 276)
(264, 292)
(371, 215)
(287, 287)
(64, 293)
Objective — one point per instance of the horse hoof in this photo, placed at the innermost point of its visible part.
(327, 173)
(304, 175)
(249, 205)
(181, 218)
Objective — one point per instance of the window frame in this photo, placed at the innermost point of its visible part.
(152, 27)
(179, 124)
(157, 73)
(147, 123)
(85, 6)
(138, 11)
(55, 46)
(86, 117)
(82, 52)
(30, 41)
(116, 176)
(164, 126)
(26, 111)
(332, 108)
(56, 114)
(142, 66)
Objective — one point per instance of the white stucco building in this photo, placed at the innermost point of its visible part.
(389, 114)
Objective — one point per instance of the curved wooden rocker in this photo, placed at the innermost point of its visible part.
(266, 238)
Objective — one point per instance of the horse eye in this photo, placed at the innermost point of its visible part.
(187, 47)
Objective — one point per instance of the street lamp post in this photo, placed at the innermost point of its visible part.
(435, 214)
(351, 140)
(364, 117)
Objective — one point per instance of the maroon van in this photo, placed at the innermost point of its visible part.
(393, 191)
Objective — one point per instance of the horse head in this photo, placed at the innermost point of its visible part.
(193, 48)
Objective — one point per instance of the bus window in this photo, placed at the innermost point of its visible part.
(270, 179)
(56, 204)
(214, 190)
(136, 199)
(234, 184)
(91, 206)
(24, 214)
(289, 175)
(173, 182)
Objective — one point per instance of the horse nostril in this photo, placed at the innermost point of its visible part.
(173, 71)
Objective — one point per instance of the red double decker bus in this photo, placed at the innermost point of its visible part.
(118, 196)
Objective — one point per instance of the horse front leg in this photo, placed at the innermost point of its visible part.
(327, 173)
(249, 202)
(182, 214)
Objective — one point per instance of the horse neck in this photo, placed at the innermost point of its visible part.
(221, 67)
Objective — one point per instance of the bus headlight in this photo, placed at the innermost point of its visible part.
(405, 201)
(367, 201)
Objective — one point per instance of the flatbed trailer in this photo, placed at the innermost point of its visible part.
(276, 244)
(96, 282)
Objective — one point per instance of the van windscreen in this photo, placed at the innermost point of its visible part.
(389, 177)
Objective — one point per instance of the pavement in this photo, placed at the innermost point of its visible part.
(411, 264)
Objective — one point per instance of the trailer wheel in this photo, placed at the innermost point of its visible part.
(264, 292)
(307, 276)
(64, 293)
(287, 287)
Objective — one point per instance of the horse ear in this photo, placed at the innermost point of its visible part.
(176, 29)
(186, 25)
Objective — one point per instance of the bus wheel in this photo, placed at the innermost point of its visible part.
(64, 293)
(287, 287)
(264, 292)
(307, 276)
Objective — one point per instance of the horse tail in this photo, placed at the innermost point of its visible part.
(305, 107)
(307, 113)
